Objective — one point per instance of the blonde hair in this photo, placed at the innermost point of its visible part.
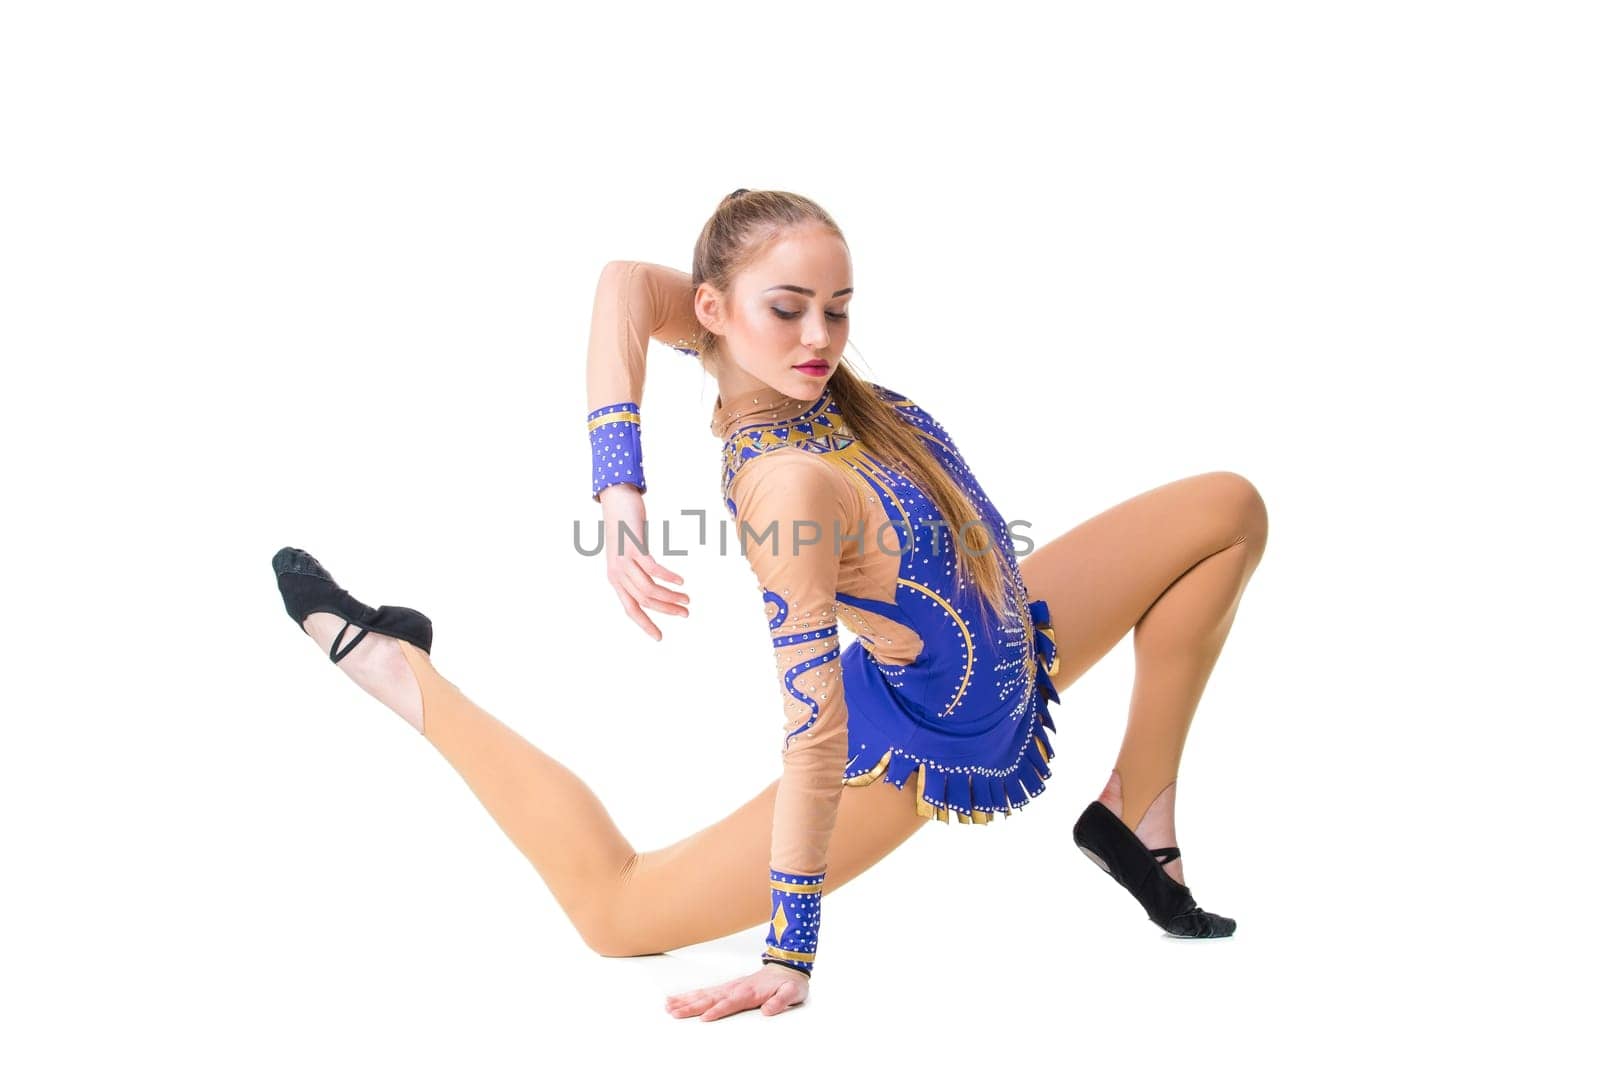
(736, 234)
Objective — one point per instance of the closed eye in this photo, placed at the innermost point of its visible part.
(840, 317)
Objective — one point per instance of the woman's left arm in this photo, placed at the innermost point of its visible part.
(792, 508)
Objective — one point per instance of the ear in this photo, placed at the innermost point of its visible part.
(711, 309)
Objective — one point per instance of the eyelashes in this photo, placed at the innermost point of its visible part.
(786, 315)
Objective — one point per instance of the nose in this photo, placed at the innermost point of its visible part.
(815, 335)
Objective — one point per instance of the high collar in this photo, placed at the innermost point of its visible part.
(760, 405)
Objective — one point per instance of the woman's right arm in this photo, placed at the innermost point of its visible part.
(633, 302)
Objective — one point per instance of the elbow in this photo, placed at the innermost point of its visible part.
(614, 271)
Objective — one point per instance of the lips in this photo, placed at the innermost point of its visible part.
(816, 364)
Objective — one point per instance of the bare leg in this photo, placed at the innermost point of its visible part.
(709, 885)
(1172, 564)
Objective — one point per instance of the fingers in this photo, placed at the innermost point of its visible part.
(647, 567)
(731, 998)
(690, 1004)
(632, 571)
(637, 615)
(787, 995)
(648, 593)
(656, 569)
(637, 592)
(739, 999)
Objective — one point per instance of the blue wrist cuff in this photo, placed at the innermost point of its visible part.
(614, 446)
(796, 914)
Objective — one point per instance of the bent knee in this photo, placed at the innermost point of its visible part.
(616, 949)
(1245, 504)
(604, 935)
(607, 927)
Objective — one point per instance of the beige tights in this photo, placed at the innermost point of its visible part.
(1171, 564)
(624, 902)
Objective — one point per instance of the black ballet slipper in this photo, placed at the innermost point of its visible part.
(307, 587)
(1118, 851)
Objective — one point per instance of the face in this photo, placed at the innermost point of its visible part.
(785, 322)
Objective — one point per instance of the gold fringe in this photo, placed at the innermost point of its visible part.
(1054, 666)
(939, 811)
(871, 775)
(924, 808)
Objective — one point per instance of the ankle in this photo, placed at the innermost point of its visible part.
(1143, 810)
(1111, 796)
(377, 664)
(1155, 825)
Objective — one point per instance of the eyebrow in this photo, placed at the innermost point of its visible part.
(809, 292)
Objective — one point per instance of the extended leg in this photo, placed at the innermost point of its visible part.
(551, 816)
(1171, 564)
(622, 902)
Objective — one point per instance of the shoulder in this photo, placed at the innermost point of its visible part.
(784, 469)
(790, 482)
(908, 409)
(917, 417)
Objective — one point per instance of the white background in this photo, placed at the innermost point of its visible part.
(320, 274)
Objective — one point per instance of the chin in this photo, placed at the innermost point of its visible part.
(800, 387)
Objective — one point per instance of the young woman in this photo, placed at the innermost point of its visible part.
(853, 506)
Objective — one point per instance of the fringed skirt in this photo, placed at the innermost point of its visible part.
(994, 769)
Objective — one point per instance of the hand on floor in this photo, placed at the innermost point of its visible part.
(772, 988)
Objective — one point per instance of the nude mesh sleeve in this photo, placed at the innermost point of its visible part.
(789, 507)
(633, 303)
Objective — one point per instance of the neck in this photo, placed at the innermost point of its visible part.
(743, 403)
